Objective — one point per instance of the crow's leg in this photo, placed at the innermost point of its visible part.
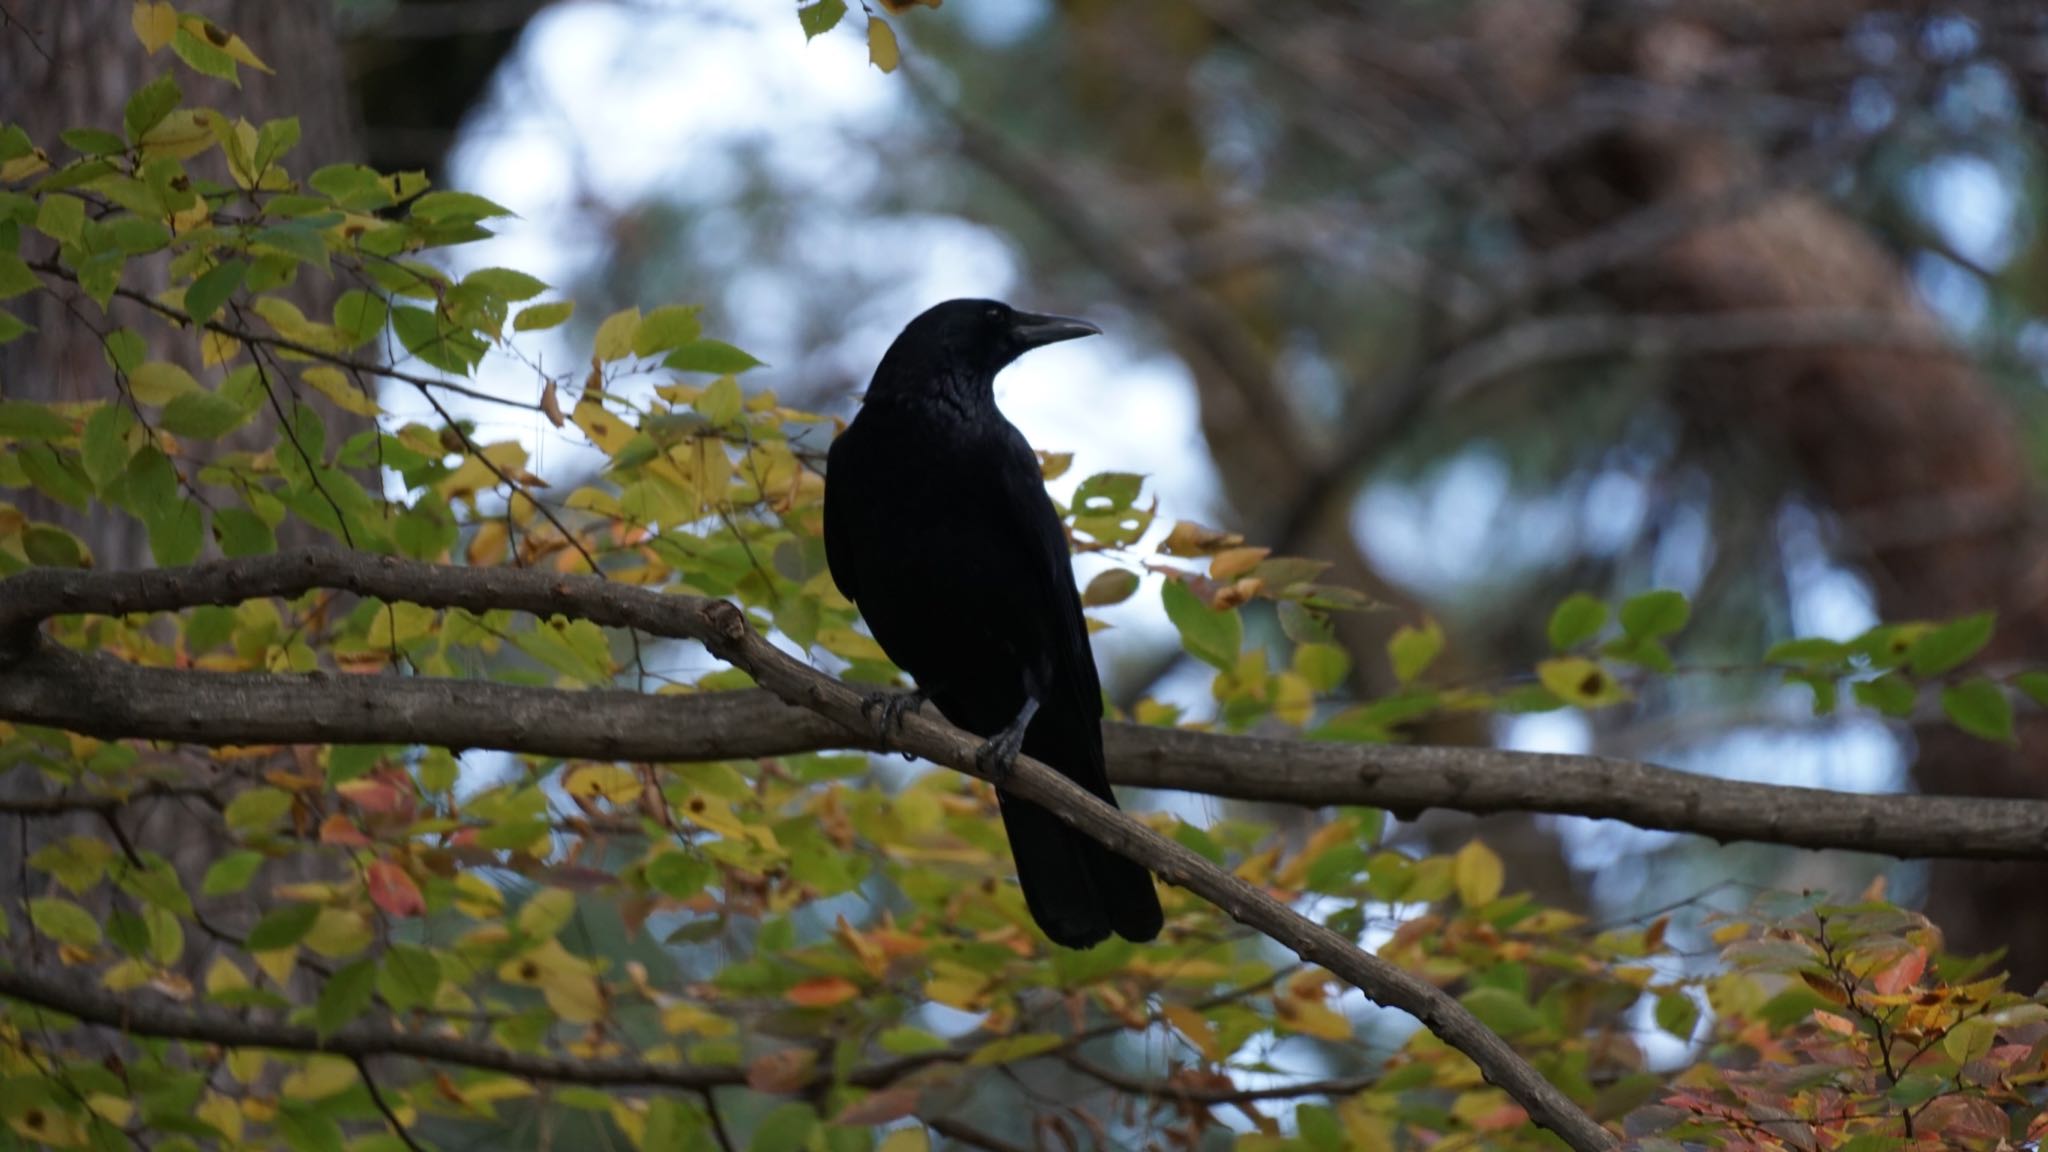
(998, 757)
(892, 706)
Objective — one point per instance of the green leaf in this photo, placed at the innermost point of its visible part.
(12, 327)
(1807, 652)
(1677, 1013)
(282, 927)
(231, 873)
(359, 316)
(786, 1129)
(1113, 586)
(1507, 1013)
(713, 356)
(61, 218)
(26, 420)
(438, 207)
(305, 1130)
(204, 58)
(241, 532)
(2035, 685)
(820, 18)
(1576, 621)
(258, 809)
(410, 976)
(1413, 649)
(680, 875)
(506, 284)
(905, 1041)
(149, 105)
(204, 415)
(49, 546)
(212, 289)
(1655, 614)
(104, 452)
(344, 996)
(1891, 694)
(664, 330)
(16, 277)
(64, 922)
(1947, 647)
(1010, 1049)
(1324, 666)
(1980, 708)
(1211, 636)
(543, 316)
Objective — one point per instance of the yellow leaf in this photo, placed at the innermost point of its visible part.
(488, 545)
(477, 898)
(566, 981)
(546, 911)
(605, 430)
(1311, 1018)
(215, 349)
(847, 643)
(339, 932)
(882, 50)
(684, 1017)
(1577, 680)
(159, 382)
(113, 1109)
(1232, 563)
(320, 1077)
(1478, 874)
(156, 24)
(912, 1139)
(603, 781)
(476, 474)
(1191, 539)
(126, 976)
(1196, 1028)
(334, 384)
(224, 976)
(221, 1112)
(277, 964)
(615, 335)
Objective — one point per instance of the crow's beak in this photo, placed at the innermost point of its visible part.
(1032, 330)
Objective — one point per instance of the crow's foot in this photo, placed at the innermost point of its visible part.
(998, 757)
(892, 706)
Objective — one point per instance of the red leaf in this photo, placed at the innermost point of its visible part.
(392, 889)
(1903, 974)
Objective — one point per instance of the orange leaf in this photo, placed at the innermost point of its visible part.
(822, 992)
(392, 889)
(339, 829)
(781, 1072)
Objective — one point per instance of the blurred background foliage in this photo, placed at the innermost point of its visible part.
(1484, 303)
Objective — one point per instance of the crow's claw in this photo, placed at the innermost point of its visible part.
(998, 757)
(892, 706)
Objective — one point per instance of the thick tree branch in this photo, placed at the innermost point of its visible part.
(98, 696)
(40, 594)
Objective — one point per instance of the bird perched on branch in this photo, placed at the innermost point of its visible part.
(938, 526)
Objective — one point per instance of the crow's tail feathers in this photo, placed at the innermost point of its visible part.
(1077, 890)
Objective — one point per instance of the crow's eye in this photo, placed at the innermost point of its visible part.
(995, 313)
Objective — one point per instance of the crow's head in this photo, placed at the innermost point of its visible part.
(967, 342)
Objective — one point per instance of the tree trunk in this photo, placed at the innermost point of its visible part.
(74, 63)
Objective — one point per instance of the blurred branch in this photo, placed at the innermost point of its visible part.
(102, 697)
(39, 594)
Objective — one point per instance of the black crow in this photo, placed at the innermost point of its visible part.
(938, 526)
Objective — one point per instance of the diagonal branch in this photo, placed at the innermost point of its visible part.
(40, 594)
(107, 698)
